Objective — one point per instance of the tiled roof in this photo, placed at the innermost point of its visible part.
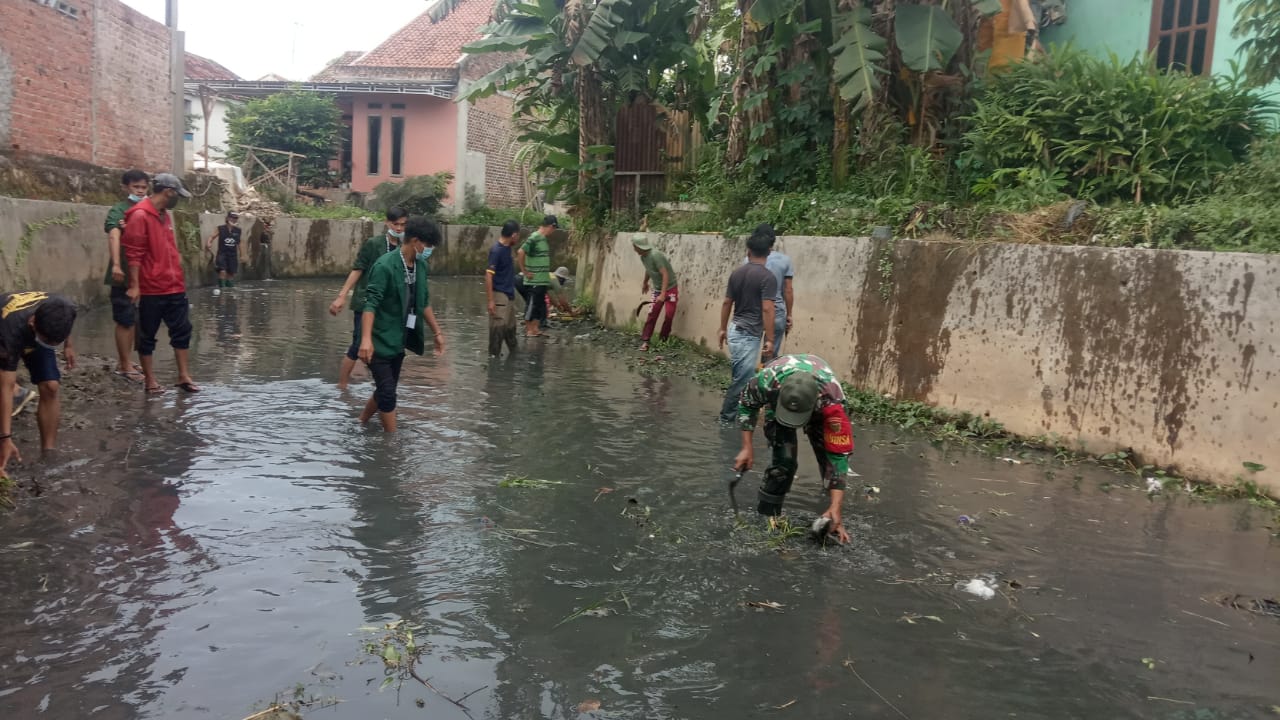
(200, 68)
(272, 77)
(332, 72)
(423, 44)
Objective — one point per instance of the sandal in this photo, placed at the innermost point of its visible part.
(155, 390)
(188, 387)
(130, 375)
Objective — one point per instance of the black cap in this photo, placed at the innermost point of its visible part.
(169, 182)
(550, 220)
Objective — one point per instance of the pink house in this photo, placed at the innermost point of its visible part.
(400, 102)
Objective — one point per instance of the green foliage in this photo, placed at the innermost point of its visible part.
(858, 53)
(1258, 21)
(293, 121)
(613, 50)
(1240, 214)
(927, 37)
(484, 215)
(417, 195)
(1109, 130)
(329, 212)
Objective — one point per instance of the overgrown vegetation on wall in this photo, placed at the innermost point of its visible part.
(834, 117)
(1067, 148)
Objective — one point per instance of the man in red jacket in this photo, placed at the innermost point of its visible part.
(156, 280)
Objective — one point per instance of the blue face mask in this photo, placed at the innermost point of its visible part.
(427, 253)
(397, 234)
(135, 198)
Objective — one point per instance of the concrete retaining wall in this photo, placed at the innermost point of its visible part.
(60, 247)
(1171, 354)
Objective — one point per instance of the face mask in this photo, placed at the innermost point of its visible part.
(135, 198)
(397, 234)
(44, 344)
(427, 253)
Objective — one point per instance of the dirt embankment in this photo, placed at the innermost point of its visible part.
(96, 420)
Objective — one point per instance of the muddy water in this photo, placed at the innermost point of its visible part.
(195, 557)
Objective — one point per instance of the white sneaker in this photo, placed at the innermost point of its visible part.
(21, 399)
(217, 292)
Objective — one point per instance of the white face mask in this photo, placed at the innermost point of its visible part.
(397, 234)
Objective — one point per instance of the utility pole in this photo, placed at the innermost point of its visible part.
(177, 71)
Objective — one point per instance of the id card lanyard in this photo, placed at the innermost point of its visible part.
(410, 284)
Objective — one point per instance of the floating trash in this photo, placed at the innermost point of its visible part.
(979, 587)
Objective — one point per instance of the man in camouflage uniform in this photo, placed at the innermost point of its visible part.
(797, 391)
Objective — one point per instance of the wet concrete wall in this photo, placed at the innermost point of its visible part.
(1170, 354)
(60, 247)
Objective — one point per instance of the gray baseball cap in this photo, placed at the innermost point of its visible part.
(170, 182)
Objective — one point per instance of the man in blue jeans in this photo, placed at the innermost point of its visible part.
(749, 299)
(784, 302)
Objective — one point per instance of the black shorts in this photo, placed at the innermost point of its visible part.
(386, 378)
(227, 262)
(353, 350)
(42, 363)
(174, 311)
(536, 308)
(123, 311)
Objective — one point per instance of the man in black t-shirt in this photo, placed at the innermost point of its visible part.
(749, 298)
(227, 254)
(32, 325)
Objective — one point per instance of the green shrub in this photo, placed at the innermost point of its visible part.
(417, 195)
(1109, 130)
(483, 215)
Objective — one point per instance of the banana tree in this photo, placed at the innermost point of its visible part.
(868, 52)
(588, 56)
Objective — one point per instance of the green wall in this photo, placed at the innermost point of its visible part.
(1124, 27)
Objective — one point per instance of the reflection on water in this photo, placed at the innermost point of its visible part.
(195, 556)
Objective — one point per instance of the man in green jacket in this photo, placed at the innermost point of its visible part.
(396, 315)
(374, 248)
(137, 184)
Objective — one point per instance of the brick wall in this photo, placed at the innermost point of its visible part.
(51, 55)
(133, 121)
(89, 81)
(490, 131)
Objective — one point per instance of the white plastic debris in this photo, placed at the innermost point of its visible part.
(1153, 486)
(1010, 460)
(979, 587)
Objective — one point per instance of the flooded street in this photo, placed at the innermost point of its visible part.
(197, 557)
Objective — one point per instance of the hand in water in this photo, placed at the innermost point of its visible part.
(8, 450)
(837, 527)
(744, 460)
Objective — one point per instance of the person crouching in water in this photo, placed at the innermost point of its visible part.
(396, 313)
(797, 392)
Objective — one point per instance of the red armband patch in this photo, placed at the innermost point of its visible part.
(837, 431)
